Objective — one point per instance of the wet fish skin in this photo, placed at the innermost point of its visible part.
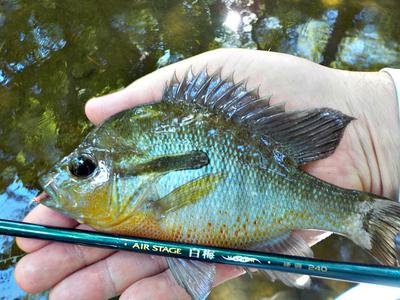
(248, 193)
(247, 173)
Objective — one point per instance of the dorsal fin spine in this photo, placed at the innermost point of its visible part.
(257, 112)
(231, 90)
(213, 91)
(237, 111)
(183, 85)
(193, 85)
(245, 114)
(200, 95)
(226, 108)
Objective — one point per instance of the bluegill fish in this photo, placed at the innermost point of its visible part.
(215, 164)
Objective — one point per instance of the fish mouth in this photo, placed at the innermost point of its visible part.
(50, 193)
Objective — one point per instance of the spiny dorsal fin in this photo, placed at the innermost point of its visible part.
(304, 136)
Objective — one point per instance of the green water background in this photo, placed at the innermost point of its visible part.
(55, 55)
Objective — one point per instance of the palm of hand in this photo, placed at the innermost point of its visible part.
(102, 274)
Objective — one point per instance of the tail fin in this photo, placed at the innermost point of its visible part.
(382, 224)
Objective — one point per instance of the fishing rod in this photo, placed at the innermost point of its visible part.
(353, 272)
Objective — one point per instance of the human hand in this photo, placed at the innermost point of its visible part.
(362, 161)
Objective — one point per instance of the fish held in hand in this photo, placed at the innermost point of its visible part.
(214, 164)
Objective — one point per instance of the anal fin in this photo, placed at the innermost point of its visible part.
(289, 244)
(194, 276)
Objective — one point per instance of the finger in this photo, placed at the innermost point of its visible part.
(150, 87)
(44, 216)
(115, 273)
(45, 267)
(164, 286)
(161, 286)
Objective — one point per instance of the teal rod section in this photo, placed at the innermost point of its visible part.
(375, 274)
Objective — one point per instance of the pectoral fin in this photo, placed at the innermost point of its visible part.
(188, 193)
(194, 276)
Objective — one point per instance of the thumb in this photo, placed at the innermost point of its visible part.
(148, 88)
(144, 90)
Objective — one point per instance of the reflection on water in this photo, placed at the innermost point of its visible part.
(54, 56)
(15, 202)
(366, 44)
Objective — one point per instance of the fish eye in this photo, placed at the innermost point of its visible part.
(82, 165)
